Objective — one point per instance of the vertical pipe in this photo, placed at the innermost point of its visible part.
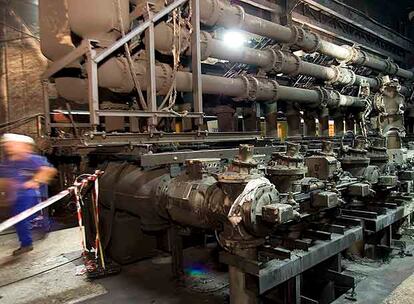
(339, 125)
(92, 70)
(310, 125)
(293, 121)
(151, 83)
(271, 119)
(196, 60)
(46, 104)
(349, 123)
(324, 122)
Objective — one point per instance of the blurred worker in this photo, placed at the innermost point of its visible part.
(26, 172)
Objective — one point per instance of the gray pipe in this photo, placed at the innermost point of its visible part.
(113, 75)
(270, 59)
(217, 12)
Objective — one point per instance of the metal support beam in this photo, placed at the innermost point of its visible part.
(46, 105)
(361, 21)
(275, 272)
(58, 65)
(196, 60)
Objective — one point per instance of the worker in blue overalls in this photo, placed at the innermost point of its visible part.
(26, 172)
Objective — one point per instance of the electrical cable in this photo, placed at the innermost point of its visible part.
(41, 272)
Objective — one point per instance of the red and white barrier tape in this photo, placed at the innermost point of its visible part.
(29, 212)
(33, 210)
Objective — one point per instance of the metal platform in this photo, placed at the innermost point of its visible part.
(277, 271)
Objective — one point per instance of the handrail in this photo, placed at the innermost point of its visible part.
(136, 31)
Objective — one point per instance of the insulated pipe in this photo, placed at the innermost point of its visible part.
(98, 19)
(269, 59)
(56, 41)
(218, 12)
(113, 75)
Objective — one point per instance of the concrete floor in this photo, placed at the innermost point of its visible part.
(46, 274)
(147, 282)
(151, 282)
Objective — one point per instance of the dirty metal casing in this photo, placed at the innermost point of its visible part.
(359, 189)
(232, 182)
(324, 164)
(187, 196)
(286, 168)
(277, 213)
(324, 199)
(354, 159)
(377, 153)
(128, 188)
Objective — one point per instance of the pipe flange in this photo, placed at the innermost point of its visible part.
(275, 89)
(324, 97)
(167, 79)
(392, 68)
(298, 63)
(241, 14)
(252, 84)
(317, 40)
(343, 76)
(354, 53)
(205, 43)
(277, 60)
(334, 98)
(337, 73)
(298, 34)
(362, 56)
(253, 88)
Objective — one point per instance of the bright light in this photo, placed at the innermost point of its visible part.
(234, 39)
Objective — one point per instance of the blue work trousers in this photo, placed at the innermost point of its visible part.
(22, 203)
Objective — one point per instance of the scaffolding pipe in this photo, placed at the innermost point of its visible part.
(218, 12)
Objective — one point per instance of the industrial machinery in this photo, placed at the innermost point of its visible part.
(234, 119)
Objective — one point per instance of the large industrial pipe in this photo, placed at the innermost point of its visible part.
(113, 75)
(98, 19)
(54, 27)
(218, 12)
(269, 59)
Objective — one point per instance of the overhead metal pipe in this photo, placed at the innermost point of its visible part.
(112, 75)
(218, 12)
(269, 59)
